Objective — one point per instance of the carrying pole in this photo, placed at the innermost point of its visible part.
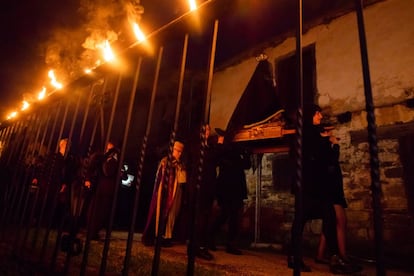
(373, 147)
(195, 210)
(137, 189)
(297, 245)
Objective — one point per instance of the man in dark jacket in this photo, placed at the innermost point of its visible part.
(231, 191)
(102, 181)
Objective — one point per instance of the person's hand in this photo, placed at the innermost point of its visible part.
(87, 184)
(333, 139)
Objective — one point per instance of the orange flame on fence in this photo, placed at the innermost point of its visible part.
(193, 5)
(107, 51)
(138, 32)
(25, 105)
(53, 80)
(41, 94)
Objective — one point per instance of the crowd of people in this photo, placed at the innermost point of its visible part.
(211, 182)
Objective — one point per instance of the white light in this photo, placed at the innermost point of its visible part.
(25, 105)
(193, 5)
(42, 94)
(138, 33)
(53, 80)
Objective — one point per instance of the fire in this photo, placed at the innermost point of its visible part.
(107, 51)
(53, 80)
(41, 94)
(25, 105)
(193, 5)
(12, 115)
(138, 32)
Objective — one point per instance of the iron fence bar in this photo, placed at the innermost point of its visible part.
(135, 203)
(45, 195)
(66, 211)
(93, 207)
(16, 183)
(297, 252)
(53, 196)
(111, 119)
(27, 175)
(154, 89)
(373, 147)
(36, 195)
(85, 117)
(88, 238)
(120, 164)
(139, 179)
(203, 142)
(77, 208)
(168, 168)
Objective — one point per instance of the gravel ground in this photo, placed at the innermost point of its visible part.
(253, 262)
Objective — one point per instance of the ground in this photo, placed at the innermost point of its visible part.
(253, 262)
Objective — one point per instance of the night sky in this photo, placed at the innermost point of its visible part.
(25, 25)
(29, 27)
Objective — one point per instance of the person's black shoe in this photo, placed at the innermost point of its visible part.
(339, 265)
(203, 253)
(302, 265)
(233, 250)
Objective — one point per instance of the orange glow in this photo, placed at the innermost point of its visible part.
(138, 32)
(88, 71)
(107, 51)
(193, 5)
(12, 115)
(41, 94)
(53, 80)
(25, 105)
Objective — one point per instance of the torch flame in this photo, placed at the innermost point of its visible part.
(12, 115)
(193, 5)
(107, 51)
(41, 94)
(138, 32)
(53, 80)
(25, 105)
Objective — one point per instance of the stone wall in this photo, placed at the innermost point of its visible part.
(340, 89)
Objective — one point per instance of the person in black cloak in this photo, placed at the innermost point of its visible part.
(316, 203)
(231, 190)
(102, 181)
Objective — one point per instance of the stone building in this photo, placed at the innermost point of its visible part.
(333, 78)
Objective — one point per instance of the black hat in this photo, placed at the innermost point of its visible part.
(220, 131)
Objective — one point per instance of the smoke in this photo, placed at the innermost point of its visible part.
(72, 48)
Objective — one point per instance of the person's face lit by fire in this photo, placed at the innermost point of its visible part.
(109, 146)
(177, 150)
(208, 131)
(317, 117)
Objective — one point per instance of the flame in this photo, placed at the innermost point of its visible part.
(12, 115)
(88, 71)
(41, 94)
(193, 5)
(138, 32)
(53, 80)
(107, 51)
(25, 105)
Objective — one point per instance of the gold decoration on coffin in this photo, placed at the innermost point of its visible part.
(271, 127)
